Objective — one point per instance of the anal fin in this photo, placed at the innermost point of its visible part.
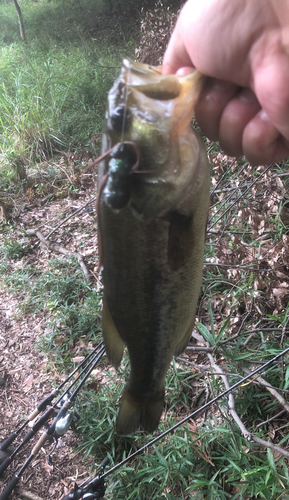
(113, 343)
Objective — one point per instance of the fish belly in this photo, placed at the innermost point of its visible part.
(149, 303)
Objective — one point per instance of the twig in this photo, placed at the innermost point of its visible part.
(71, 215)
(29, 495)
(220, 410)
(64, 171)
(242, 184)
(248, 268)
(282, 427)
(270, 388)
(236, 201)
(199, 348)
(270, 419)
(61, 249)
(254, 381)
(272, 446)
(283, 333)
(236, 335)
(277, 329)
(96, 278)
(199, 368)
(243, 320)
(203, 454)
(231, 403)
(223, 176)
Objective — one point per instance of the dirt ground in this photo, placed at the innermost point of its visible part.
(24, 378)
(23, 368)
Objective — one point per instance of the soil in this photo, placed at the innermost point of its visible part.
(23, 368)
(24, 377)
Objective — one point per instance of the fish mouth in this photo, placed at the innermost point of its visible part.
(164, 90)
(151, 82)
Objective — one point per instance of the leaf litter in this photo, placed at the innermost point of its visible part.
(246, 282)
(240, 253)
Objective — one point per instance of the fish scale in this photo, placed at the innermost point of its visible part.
(153, 244)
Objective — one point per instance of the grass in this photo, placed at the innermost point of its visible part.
(54, 88)
(70, 306)
(205, 459)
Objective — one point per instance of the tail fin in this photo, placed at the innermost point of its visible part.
(134, 414)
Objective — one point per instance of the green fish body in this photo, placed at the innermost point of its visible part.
(152, 219)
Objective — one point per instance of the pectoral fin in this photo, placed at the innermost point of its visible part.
(181, 240)
(113, 344)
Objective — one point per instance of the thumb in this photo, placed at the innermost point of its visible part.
(176, 55)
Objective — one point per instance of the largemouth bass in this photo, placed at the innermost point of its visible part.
(153, 208)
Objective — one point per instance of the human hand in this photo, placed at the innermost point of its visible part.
(243, 46)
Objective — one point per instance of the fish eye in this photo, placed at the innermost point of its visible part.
(120, 119)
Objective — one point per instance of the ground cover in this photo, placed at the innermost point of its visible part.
(54, 87)
(50, 313)
(242, 323)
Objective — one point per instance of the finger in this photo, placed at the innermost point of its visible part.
(271, 87)
(262, 142)
(235, 117)
(187, 70)
(176, 55)
(214, 98)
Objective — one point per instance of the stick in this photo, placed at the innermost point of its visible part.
(71, 215)
(61, 249)
(270, 388)
(247, 435)
(270, 419)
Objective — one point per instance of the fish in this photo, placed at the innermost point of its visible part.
(152, 214)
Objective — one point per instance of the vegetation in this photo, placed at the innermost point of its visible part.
(54, 87)
(52, 101)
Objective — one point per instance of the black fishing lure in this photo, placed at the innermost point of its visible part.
(118, 187)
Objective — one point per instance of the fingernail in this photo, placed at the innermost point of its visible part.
(263, 115)
(186, 70)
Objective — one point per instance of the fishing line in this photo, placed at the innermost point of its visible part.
(57, 428)
(125, 106)
(243, 183)
(236, 201)
(223, 176)
(194, 413)
(89, 363)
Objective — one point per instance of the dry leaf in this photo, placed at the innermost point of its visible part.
(28, 383)
(48, 467)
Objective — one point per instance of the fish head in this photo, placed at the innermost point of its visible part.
(150, 109)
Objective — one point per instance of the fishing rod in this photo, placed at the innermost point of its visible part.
(223, 176)
(49, 412)
(98, 481)
(241, 195)
(243, 183)
(45, 402)
(59, 425)
(94, 490)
